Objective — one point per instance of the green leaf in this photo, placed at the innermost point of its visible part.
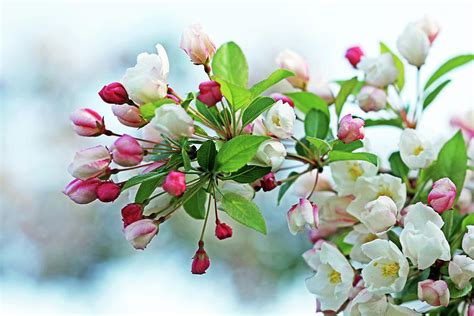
(341, 146)
(344, 92)
(305, 101)
(341, 155)
(285, 186)
(273, 79)
(206, 112)
(449, 65)
(238, 96)
(146, 189)
(195, 205)
(257, 107)
(237, 152)
(186, 160)
(397, 165)
(452, 162)
(188, 100)
(397, 122)
(468, 220)
(322, 146)
(142, 178)
(427, 101)
(316, 124)
(243, 211)
(229, 63)
(455, 292)
(206, 155)
(249, 174)
(147, 111)
(398, 64)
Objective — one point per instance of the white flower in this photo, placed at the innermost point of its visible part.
(332, 209)
(468, 241)
(301, 214)
(346, 173)
(370, 304)
(357, 237)
(323, 90)
(303, 186)
(379, 215)
(258, 127)
(470, 151)
(461, 270)
(414, 45)
(371, 98)
(270, 153)
(147, 81)
(388, 269)
(280, 119)
(368, 189)
(140, 233)
(379, 71)
(290, 60)
(429, 26)
(415, 151)
(243, 189)
(422, 240)
(173, 121)
(333, 279)
(197, 44)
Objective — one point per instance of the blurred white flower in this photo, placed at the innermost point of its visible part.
(332, 209)
(379, 71)
(461, 270)
(197, 44)
(173, 121)
(414, 45)
(346, 173)
(372, 98)
(291, 61)
(468, 241)
(429, 26)
(415, 151)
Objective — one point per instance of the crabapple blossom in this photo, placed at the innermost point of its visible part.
(415, 151)
(268, 182)
(322, 89)
(283, 98)
(128, 115)
(414, 45)
(201, 260)
(87, 122)
(358, 236)
(442, 195)
(333, 279)
(350, 129)
(435, 293)
(422, 240)
(82, 191)
(291, 61)
(114, 93)
(90, 162)
(197, 44)
(468, 241)
(108, 191)
(372, 98)
(332, 209)
(140, 233)
(131, 213)
(346, 173)
(367, 303)
(429, 26)
(173, 121)
(461, 270)
(310, 256)
(280, 119)
(209, 93)
(223, 231)
(379, 71)
(147, 81)
(353, 55)
(270, 153)
(379, 215)
(126, 151)
(175, 183)
(301, 214)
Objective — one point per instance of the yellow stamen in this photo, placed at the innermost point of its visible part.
(355, 171)
(390, 269)
(370, 237)
(334, 277)
(418, 150)
(385, 192)
(276, 120)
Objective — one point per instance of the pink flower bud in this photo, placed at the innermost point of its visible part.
(172, 97)
(223, 230)
(197, 44)
(131, 213)
(301, 214)
(140, 233)
(108, 191)
(82, 192)
(87, 122)
(278, 96)
(209, 93)
(435, 293)
(470, 310)
(114, 93)
(175, 183)
(248, 129)
(201, 260)
(89, 163)
(442, 195)
(350, 129)
(127, 152)
(315, 235)
(268, 182)
(353, 55)
(430, 27)
(128, 115)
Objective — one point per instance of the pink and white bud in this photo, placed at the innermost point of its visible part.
(209, 93)
(430, 27)
(128, 115)
(201, 260)
(114, 93)
(175, 183)
(442, 195)
(379, 215)
(465, 122)
(468, 241)
(323, 90)
(172, 97)
(470, 310)
(197, 44)
(108, 191)
(89, 163)
(87, 122)
(301, 214)
(131, 213)
(223, 231)
(293, 62)
(278, 96)
(353, 55)
(350, 129)
(268, 182)
(140, 233)
(82, 192)
(435, 293)
(372, 99)
(314, 235)
(127, 152)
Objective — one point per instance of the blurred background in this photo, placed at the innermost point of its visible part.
(59, 258)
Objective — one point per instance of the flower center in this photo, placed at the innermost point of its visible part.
(355, 171)
(276, 120)
(385, 192)
(390, 269)
(418, 150)
(334, 277)
(370, 237)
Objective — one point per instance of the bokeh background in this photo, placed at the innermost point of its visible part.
(58, 258)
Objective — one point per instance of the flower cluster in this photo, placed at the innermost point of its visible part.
(382, 236)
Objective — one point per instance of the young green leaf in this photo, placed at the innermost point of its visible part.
(243, 211)
(229, 63)
(341, 155)
(238, 97)
(186, 160)
(206, 155)
(147, 111)
(341, 146)
(427, 101)
(397, 122)
(346, 90)
(248, 174)
(237, 152)
(305, 101)
(322, 146)
(285, 186)
(273, 79)
(257, 107)
(397, 165)
(448, 66)
(195, 206)
(188, 100)
(316, 124)
(206, 112)
(398, 64)
(142, 178)
(146, 189)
